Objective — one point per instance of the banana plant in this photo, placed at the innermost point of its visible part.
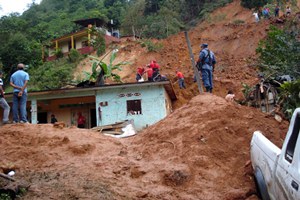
(102, 70)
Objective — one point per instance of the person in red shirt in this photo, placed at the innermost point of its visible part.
(155, 66)
(149, 72)
(180, 79)
(80, 120)
(140, 71)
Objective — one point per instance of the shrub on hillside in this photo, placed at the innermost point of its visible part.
(51, 75)
(58, 53)
(74, 56)
(151, 46)
(254, 3)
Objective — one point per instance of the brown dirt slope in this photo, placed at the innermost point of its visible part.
(234, 45)
(188, 155)
(232, 34)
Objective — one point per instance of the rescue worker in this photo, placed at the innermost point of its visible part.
(155, 66)
(180, 79)
(207, 63)
(140, 71)
(149, 72)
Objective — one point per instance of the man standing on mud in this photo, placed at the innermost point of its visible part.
(3, 102)
(207, 63)
(19, 81)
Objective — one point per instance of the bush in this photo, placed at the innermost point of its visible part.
(290, 97)
(99, 42)
(211, 6)
(74, 56)
(58, 53)
(254, 3)
(151, 46)
(279, 53)
(51, 75)
(238, 21)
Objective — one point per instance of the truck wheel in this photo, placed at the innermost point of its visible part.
(261, 185)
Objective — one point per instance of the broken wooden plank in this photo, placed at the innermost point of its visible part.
(7, 177)
(112, 132)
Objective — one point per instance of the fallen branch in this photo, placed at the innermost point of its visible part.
(7, 177)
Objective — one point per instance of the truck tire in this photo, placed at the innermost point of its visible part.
(261, 185)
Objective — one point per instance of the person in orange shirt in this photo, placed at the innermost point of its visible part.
(180, 79)
(149, 72)
(140, 71)
(155, 66)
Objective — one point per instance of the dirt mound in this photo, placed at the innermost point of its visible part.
(198, 152)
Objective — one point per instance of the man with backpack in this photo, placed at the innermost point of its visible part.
(206, 63)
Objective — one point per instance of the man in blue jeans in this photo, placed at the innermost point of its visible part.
(207, 63)
(19, 81)
(3, 102)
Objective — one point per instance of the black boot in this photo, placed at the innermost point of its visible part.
(207, 89)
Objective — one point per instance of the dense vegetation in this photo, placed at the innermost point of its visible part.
(280, 55)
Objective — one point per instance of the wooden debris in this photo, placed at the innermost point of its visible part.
(7, 177)
(114, 129)
(60, 125)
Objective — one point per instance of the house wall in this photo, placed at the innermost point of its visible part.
(152, 102)
(64, 46)
(168, 104)
(155, 105)
(79, 42)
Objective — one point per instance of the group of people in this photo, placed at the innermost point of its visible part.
(152, 72)
(18, 81)
(205, 65)
(265, 12)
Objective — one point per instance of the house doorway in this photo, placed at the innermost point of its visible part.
(93, 117)
(42, 118)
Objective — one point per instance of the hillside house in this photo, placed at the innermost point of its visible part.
(145, 103)
(81, 39)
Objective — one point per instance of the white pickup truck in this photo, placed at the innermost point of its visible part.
(277, 171)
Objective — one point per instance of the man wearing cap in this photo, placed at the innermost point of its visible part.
(18, 81)
(3, 102)
(207, 63)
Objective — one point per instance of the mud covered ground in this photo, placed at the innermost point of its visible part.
(201, 151)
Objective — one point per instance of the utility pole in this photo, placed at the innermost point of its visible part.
(196, 72)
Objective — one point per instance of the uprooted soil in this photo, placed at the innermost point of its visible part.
(201, 151)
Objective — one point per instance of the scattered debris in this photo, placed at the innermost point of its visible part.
(7, 177)
(118, 130)
(60, 125)
(278, 118)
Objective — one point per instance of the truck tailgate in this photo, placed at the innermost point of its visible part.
(264, 155)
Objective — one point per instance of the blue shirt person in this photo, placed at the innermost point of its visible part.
(19, 81)
(207, 63)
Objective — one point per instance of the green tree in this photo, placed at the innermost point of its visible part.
(102, 71)
(133, 20)
(280, 53)
(51, 75)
